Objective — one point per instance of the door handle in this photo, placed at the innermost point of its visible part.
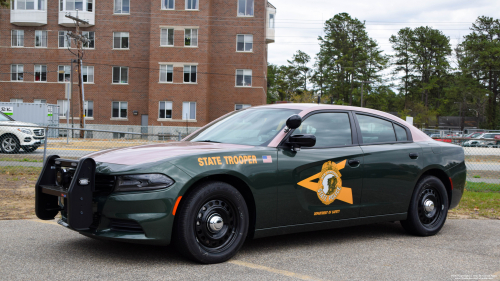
(353, 163)
(413, 155)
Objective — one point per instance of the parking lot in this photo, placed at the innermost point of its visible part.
(464, 249)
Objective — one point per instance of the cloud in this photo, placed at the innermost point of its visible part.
(299, 23)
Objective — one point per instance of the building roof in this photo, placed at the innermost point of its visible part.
(269, 5)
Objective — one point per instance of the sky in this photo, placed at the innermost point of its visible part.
(300, 22)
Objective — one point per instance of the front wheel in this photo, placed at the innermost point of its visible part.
(9, 144)
(212, 223)
(428, 208)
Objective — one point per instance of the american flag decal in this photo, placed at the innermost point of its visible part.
(267, 159)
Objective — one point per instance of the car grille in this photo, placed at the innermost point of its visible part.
(125, 226)
(38, 132)
(104, 183)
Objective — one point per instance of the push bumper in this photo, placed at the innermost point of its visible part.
(92, 210)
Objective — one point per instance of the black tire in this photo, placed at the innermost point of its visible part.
(30, 148)
(207, 243)
(423, 221)
(9, 144)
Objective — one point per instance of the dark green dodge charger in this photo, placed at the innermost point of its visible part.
(258, 172)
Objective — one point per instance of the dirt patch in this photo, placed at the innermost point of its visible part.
(17, 196)
(482, 158)
(483, 174)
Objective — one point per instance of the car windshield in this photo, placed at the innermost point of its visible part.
(475, 135)
(248, 127)
(4, 117)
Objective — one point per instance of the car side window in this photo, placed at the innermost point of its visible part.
(400, 133)
(330, 129)
(375, 130)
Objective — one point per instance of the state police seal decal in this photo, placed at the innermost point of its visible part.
(329, 186)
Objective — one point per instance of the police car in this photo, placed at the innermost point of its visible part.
(258, 172)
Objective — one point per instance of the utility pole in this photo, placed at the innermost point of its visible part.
(80, 40)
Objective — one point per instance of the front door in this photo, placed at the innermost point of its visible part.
(321, 183)
(392, 164)
(144, 125)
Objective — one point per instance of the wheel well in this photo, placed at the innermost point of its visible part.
(443, 177)
(242, 187)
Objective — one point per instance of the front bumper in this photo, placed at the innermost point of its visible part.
(139, 217)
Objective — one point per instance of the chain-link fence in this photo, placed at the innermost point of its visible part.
(24, 148)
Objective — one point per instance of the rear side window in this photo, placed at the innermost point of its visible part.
(375, 130)
(400, 133)
(330, 129)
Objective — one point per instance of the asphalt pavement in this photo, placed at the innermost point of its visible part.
(464, 249)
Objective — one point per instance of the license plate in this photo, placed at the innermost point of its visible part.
(42, 141)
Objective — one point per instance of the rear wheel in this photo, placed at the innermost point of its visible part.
(9, 144)
(428, 208)
(212, 223)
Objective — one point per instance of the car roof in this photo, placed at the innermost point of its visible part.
(306, 108)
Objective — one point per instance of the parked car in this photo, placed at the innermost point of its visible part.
(474, 135)
(257, 172)
(488, 140)
(14, 135)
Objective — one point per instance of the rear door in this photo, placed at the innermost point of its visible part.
(392, 164)
(321, 183)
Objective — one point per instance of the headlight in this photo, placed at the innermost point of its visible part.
(26, 131)
(142, 182)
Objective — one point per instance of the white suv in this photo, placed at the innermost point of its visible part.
(13, 136)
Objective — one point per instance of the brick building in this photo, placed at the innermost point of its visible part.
(164, 61)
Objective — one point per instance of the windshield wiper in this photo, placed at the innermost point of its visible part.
(208, 141)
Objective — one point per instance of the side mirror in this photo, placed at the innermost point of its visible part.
(293, 122)
(298, 141)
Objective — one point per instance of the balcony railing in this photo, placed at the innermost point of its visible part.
(28, 17)
(89, 16)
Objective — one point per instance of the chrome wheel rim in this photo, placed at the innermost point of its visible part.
(9, 144)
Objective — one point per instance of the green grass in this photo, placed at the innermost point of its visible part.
(482, 187)
(20, 170)
(477, 177)
(21, 160)
(479, 204)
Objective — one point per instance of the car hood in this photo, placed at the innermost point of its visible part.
(17, 123)
(156, 152)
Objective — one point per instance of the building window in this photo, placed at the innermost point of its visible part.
(191, 37)
(168, 4)
(165, 109)
(190, 74)
(119, 109)
(167, 37)
(64, 41)
(120, 75)
(17, 38)
(166, 73)
(64, 73)
(244, 42)
(244, 77)
(191, 4)
(122, 6)
(40, 73)
(16, 100)
(271, 21)
(90, 35)
(28, 5)
(41, 38)
(241, 106)
(88, 109)
(120, 40)
(189, 111)
(88, 74)
(40, 101)
(17, 72)
(245, 8)
(63, 107)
